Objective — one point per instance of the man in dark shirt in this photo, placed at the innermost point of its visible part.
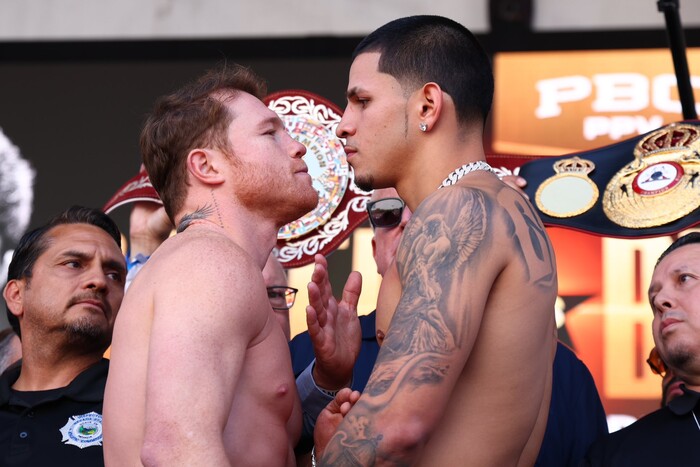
(670, 435)
(65, 286)
(386, 204)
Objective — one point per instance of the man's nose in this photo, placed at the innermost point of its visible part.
(95, 278)
(345, 128)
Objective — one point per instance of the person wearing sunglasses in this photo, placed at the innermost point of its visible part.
(388, 216)
(671, 434)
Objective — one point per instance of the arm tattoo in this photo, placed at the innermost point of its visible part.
(449, 239)
(444, 234)
(536, 254)
(431, 264)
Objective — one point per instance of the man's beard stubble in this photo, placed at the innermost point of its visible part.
(262, 191)
(88, 335)
(680, 357)
(364, 183)
(85, 331)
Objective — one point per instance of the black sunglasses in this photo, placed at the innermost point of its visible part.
(385, 213)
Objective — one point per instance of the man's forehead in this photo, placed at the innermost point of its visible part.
(252, 109)
(368, 61)
(364, 66)
(79, 237)
(686, 256)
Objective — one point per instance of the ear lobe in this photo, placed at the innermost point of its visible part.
(432, 100)
(14, 296)
(203, 164)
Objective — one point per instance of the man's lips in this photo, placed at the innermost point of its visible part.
(350, 151)
(94, 303)
(668, 322)
(303, 171)
(91, 301)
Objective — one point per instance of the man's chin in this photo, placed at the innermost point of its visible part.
(92, 336)
(305, 206)
(364, 183)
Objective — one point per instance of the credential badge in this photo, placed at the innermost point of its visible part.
(83, 430)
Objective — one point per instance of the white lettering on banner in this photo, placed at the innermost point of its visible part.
(558, 90)
(621, 92)
(619, 126)
(614, 92)
(663, 87)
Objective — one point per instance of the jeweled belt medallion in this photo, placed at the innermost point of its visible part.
(661, 184)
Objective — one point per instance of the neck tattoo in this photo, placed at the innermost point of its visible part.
(460, 172)
(218, 212)
(200, 214)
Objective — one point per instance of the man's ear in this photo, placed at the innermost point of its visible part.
(430, 101)
(14, 296)
(204, 165)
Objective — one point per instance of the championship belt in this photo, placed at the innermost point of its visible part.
(648, 185)
(312, 120)
(660, 185)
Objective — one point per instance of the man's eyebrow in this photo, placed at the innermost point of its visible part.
(75, 254)
(81, 255)
(118, 265)
(352, 92)
(272, 120)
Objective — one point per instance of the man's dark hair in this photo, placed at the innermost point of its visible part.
(35, 242)
(420, 49)
(693, 237)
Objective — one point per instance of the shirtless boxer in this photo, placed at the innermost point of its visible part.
(465, 370)
(196, 376)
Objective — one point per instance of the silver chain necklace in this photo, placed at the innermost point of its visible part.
(460, 172)
(695, 418)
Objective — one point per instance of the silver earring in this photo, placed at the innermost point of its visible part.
(423, 126)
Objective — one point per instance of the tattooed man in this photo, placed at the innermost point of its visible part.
(465, 370)
(196, 376)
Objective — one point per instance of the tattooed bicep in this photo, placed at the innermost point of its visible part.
(446, 230)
